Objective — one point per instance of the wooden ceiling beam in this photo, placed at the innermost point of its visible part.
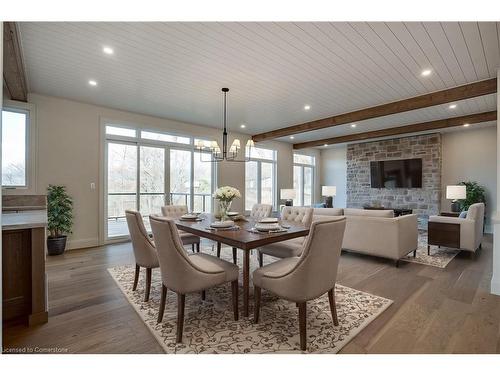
(14, 76)
(400, 130)
(453, 94)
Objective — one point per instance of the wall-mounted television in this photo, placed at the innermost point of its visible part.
(405, 173)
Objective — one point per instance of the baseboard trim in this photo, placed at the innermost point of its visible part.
(495, 287)
(83, 243)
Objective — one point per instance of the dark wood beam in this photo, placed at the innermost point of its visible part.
(468, 91)
(400, 130)
(14, 76)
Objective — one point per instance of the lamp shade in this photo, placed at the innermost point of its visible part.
(287, 194)
(456, 192)
(328, 191)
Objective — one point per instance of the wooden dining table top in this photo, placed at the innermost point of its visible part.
(241, 238)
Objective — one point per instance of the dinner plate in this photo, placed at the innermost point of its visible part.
(268, 220)
(222, 224)
(189, 216)
(262, 227)
(233, 213)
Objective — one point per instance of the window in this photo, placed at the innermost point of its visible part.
(148, 172)
(260, 180)
(15, 132)
(303, 179)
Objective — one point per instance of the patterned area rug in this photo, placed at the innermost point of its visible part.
(439, 257)
(209, 326)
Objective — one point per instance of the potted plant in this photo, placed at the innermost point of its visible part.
(60, 218)
(474, 194)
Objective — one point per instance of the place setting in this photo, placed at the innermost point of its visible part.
(269, 225)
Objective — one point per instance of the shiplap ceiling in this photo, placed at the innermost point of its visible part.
(176, 70)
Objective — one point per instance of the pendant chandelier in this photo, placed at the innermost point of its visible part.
(218, 154)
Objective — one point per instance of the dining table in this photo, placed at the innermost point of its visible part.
(244, 237)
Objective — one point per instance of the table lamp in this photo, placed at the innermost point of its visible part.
(329, 192)
(288, 195)
(455, 192)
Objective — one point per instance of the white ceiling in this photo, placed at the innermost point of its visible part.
(176, 70)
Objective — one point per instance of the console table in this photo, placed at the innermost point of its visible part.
(397, 211)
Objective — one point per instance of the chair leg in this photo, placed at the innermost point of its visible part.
(162, 303)
(261, 259)
(192, 247)
(415, 254)
(203, 295)
(333, 306)
(218, 249)
(428, 250)
(136, 276)
(148, 284)
(181, 300)
(302, 325)
(197, 247)
(235, 256)
(234, 289)
(256, 309)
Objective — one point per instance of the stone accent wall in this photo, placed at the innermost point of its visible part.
(424, 201)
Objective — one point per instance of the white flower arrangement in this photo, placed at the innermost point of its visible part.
(226, 193)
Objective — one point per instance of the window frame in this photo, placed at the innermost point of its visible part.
(138, 141)
(302, 167)
(30, 147)
(259, 162)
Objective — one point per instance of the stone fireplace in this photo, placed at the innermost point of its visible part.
(423, 201)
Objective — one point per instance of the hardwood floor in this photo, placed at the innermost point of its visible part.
(435, 310)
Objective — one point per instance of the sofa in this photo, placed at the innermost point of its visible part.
(376, 232)
(470, 231)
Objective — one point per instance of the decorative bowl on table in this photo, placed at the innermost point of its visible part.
(222, 224)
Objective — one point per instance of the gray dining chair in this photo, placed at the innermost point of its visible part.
(144, 249)
(293, 247)
(304, 278)
(176, 211)
(183, 273)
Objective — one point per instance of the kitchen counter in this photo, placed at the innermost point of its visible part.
(24, 219)
(23, 267)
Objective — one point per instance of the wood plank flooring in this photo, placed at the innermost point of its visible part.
(435, 310)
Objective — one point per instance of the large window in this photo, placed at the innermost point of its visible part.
(144, 173)
(260, 180)
(15, 131)
(303, 179)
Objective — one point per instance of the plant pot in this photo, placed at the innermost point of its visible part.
(56, 245)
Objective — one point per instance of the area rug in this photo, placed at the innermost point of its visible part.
(209, 326)
(439, 257)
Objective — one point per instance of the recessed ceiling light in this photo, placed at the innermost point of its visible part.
(452, 106)
(426, 72)
(353, 125)
(92, 82)
(108, 50)
(307, 107)
(466, 125)
(243, 126)
(292, 137)
(325, 145)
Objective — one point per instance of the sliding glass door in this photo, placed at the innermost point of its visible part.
(144, 177)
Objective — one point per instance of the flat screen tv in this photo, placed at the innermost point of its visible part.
(405, 173)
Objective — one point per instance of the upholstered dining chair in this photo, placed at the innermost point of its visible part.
(185, 274)
(259, 211)
(304, 278)
(174, 212)
(144, 249)
(293, 247)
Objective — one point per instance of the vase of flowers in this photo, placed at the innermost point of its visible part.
(225, 196)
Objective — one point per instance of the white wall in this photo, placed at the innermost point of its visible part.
(334, 171)
(470, 155)
(69, 147)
